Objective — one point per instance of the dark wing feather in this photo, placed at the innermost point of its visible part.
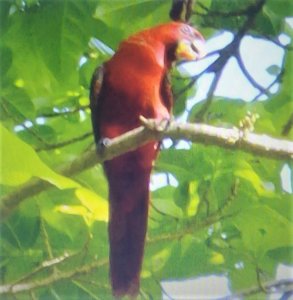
(166, 92)
(95, 94)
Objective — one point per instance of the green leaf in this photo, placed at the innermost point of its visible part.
(223, 112)
(282, 254)
(5, 60)
(179, 81)
(274, 69)
(17, 102)
(268, 23)
(21, 231)
(191, 257)
(193, 198)
(52, 49)
(20, 163)
(163, 202)
(252, 177)
(243, 275)
(186, 164)
(283, 8)
(65, 229)
(144, 13)
(263, 229)
(97, 206)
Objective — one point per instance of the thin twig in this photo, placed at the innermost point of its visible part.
(248, 76)
(266, 91)
(288, 126)
(276, 80)
(45, 236)
(278, 43)
(63, 113)
(65, 143)
(225, 54)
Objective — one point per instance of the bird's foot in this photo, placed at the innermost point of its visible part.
(158, 125)
(163, 124)
(102, 144)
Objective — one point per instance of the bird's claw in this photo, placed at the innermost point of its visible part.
(102, 144)
(158, 124)
(163, 124)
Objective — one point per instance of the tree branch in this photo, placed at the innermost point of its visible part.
(248, 75)
(55, 277)
(228, 138)
(181, 10)
(231, 50)
(282, 285)
(288, 126)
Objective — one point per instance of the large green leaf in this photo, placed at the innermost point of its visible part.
(163, 203)
(263, 229)
(144, 13)
(46, 54)
(19, 163)
(283, 7)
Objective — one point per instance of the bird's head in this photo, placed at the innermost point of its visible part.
(168, 42)
(182, 41)
(190, 44)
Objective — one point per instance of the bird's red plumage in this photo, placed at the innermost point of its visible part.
(134, 84)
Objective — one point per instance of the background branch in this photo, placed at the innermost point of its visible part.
(63, 113)
(181, 10)
(65, 143)
(55, 277)
(270, 287)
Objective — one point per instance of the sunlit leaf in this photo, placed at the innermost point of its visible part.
(217, 258)
(96, 205)
(78, 210)
(19, 163)
(193, 199)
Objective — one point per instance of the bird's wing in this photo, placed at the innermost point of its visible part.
(166, 92)
(95, 95)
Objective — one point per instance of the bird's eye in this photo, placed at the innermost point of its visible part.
(193, 47)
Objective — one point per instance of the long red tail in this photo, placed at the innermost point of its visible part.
(128, 177)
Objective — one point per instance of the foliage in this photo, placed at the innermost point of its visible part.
(227, 213)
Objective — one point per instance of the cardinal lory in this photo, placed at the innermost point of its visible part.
(131, 84)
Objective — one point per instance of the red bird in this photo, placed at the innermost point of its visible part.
(131, 84)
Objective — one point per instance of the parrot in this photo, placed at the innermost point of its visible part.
(134, 83)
